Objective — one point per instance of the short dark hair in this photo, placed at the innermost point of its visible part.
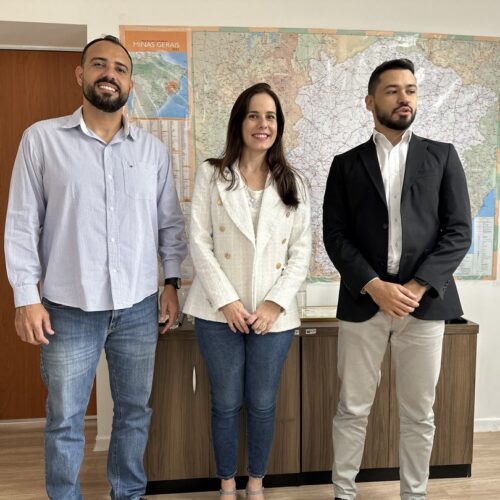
(106, 38)
(386, 66)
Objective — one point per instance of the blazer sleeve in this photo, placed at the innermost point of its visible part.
(354, 269)
(286, 287)
(456, 228)
(214, 281)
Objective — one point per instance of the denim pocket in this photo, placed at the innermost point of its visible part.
(140, 180)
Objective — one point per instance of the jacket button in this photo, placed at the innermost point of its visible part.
(283, 241)
(222, 229)
(385, 226)
(227, 255)
(278, 265)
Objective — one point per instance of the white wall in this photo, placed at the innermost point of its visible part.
(479, 17)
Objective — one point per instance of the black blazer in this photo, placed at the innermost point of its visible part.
(435, 219)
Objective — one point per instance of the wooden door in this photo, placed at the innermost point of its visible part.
(320, 391)
(179, 435)
(35, 85)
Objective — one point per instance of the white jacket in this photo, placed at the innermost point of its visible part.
(232, 263)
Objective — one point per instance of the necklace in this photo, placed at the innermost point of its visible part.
(253, 197)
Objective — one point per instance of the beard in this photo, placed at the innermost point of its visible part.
(400, 123)
(107, 103)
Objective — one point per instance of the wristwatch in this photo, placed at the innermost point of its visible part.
(175, 282)
(422, 283)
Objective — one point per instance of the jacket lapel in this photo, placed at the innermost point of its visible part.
(236, 205)
(368, 154)
(417, 150)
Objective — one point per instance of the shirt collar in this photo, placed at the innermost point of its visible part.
(76, 120)
(381, 140)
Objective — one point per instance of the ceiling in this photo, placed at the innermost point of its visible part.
(17, 35)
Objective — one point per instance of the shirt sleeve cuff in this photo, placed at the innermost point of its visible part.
(171, 269)
(363, 290)
(25, 295)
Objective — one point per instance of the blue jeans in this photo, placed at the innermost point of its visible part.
(242, 369)
(68, 366)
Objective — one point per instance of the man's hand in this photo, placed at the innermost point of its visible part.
(264, 317)
(236, 316)
(32, 323)
(169, 305)
(416, 288)
(394, 300)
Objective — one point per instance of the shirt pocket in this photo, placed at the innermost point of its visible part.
(140, 180)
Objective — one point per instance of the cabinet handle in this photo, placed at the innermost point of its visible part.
(194, 380)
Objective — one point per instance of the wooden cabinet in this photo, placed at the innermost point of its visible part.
(179, 436)
(454, 406)
(320, 391)
(179, 445)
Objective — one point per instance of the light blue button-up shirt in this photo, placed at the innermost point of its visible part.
(87, 219)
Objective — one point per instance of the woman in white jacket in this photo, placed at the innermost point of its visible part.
(250, 243)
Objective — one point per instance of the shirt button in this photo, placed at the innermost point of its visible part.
(110, 176)
(283, 241)
(222, 229)
(385, 226)
(278, 265)
(288, 214)
(115, 270)
(227, 255)
(219, 202)
(112, 240)
(111, 208)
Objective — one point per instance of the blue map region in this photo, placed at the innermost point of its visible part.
(177, 105)
(487, 210)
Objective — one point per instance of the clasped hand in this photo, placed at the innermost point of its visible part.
(261, 321)
(397, 301)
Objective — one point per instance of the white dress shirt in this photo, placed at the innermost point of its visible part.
(392, 161)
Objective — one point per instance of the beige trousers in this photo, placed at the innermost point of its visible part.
(416, 347)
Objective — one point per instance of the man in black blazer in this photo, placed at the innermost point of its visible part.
(396, 225)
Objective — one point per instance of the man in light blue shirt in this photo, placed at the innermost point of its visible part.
(92, 204)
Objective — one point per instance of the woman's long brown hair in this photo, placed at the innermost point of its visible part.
(282, 173)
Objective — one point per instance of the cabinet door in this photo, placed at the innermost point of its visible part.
(285, 452)
(179, 436)
(320, 391)
(454, 405)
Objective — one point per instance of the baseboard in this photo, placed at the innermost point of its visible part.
(101, 443)
(487, 425)
(298, 479)
(24, 421)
